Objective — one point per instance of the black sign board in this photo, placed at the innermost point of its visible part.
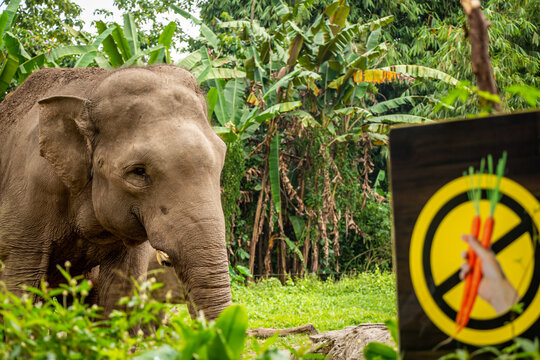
(432, 209)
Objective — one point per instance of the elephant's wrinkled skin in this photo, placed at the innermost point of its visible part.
(98, 165)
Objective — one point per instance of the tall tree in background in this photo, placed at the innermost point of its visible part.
(434, 36)
(46, 24)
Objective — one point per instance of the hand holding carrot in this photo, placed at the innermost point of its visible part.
(494, 286)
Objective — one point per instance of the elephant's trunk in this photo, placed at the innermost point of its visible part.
(207, 298)
(197, 250)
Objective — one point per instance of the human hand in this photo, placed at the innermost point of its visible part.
(494, 286)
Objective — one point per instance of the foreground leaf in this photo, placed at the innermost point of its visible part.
(164, 352)
(379, 351)
(233, 323)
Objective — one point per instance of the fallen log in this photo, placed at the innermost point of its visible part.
(349, 343)
(268, 332)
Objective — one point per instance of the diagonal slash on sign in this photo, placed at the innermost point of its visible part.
(524, 226)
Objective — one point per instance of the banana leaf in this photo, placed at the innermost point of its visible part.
(353, 110)
(282, 82)
(294, 50)
(292, 246)
(220, 62)
(360, 62)
(422, 72)
(165, 39)
(384, 106)
(276, 110)
(3, 22)
(254, 28)
(77, 34)
(121, 43)
(336, 44)
(222, 73)
(86, 59)
(373, 39)
(31, 65)
(9, 68)
(191, 60)
(273, 171)
(102, 62)
(109, 45)
(339, 17)
(305, 118)
(211, 100)
(233, 95)
(206, 32)
(58, 53)
(139, 55)
(201, 71)
(399, 119)
(374, 25)
(15, 48)
(106, 32)
(131, 34)
(221, 106)
(8, 16)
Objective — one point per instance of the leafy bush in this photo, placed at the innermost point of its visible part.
(56, 323)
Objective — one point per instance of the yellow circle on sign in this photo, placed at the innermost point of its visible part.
(444, 258)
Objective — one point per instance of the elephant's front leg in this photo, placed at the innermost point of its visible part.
(118, 271)
(24, 266)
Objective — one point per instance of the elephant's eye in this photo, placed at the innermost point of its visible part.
(137, 176)
(139, 171)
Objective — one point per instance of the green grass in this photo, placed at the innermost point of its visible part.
(327, 305)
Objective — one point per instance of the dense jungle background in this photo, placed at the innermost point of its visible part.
(303, 93)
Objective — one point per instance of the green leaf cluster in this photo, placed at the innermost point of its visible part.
(58, 323)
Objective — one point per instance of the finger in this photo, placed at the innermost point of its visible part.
(481, 251)
(464, 270)
(465, 255)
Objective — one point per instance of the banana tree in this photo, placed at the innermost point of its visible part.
(117, 46)
(8, 60)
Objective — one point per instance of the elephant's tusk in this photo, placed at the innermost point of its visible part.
(163, 259)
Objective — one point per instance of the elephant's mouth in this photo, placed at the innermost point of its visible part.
(163, 258)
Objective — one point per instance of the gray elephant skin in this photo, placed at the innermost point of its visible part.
(103, 168)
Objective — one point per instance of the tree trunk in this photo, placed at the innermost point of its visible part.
(479, 39)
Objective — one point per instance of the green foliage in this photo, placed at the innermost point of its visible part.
(520, 349)
(231, 180)
(303, 96)
(374, 250)
(315, 82)
(328, 305)
(145, 13)
(114, 46)
(513, 48)
(41, 25)
(51, 323)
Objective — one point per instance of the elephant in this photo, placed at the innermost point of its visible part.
(172, 291)
(104, 168)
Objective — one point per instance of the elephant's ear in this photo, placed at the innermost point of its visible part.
(65, 134)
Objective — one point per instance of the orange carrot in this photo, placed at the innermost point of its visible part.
(473, 278)
(477, 273)
(471, 258)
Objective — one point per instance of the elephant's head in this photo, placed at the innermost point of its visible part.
(143, 144)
